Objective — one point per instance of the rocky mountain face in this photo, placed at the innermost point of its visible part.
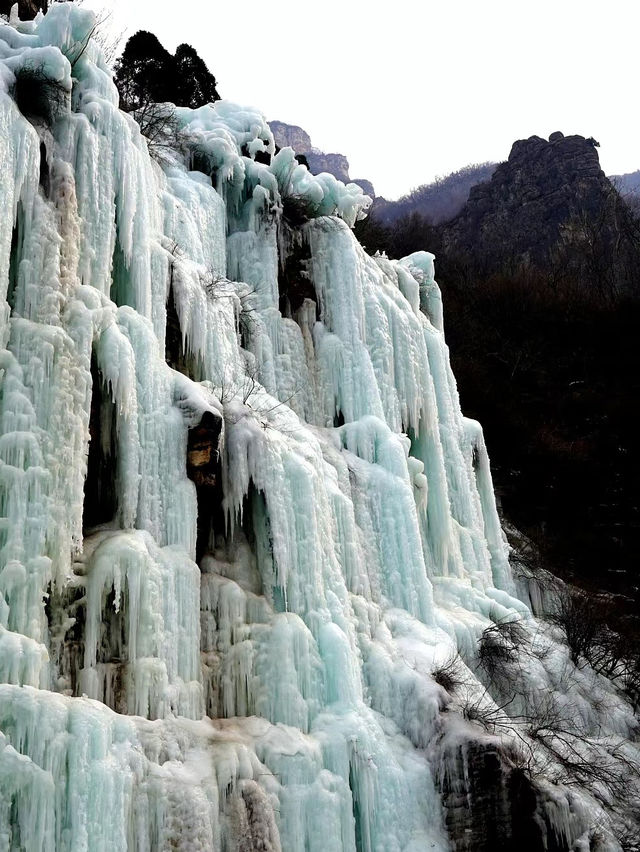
(627, 183)
(336, 164)
(550, 203)
(292, 136)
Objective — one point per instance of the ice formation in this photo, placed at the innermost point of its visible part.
(243, 518)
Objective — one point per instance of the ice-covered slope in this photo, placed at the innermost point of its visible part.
(243, 520)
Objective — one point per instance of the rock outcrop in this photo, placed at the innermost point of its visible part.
(491, 804)
(366, 186)
(336, 164)
(292, 136)
(550, 196)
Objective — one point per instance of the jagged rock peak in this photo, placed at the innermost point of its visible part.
(522, 213)
(573, 155)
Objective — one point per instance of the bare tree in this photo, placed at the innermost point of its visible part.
(499, 647)
(448, 674)
(161, 129)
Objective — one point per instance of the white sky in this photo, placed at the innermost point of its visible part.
(408, 90)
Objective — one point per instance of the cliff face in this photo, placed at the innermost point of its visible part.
(490, 804)
(548, 196)
(292, 136)
(336, 164)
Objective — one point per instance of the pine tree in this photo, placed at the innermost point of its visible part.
(147, 73)
(194, 83)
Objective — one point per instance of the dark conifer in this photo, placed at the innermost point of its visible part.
(147, 73)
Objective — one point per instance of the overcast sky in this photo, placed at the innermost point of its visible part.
(409, 90)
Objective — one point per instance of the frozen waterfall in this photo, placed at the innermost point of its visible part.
(243, 520)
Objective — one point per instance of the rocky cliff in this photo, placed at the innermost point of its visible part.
(549, 202)
(292, 136)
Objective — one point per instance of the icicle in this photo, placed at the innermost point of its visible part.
(200, 346)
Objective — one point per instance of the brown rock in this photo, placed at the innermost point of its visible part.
(202, 451)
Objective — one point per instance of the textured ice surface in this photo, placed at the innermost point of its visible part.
(244, 664)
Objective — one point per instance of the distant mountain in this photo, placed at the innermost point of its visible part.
(628, 185)
(293, 136)
(438, 201)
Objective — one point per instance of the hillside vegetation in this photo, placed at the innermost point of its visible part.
(438, 201)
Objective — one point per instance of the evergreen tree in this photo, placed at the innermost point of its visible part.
(194, 83)
(147, 73)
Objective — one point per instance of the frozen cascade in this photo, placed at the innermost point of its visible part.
(243, 520)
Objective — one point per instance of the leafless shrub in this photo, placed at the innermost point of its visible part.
(577, 614)
(499, 647)
(227, 389)
(250, 384)
(108, 39)
(448, 675)
(550, 741)
(630, 680)
(102, 33)
(551, 738)
(600, 765)
(240, 387)
(599, 636)
(575, 755)
(627, 833)
(217, 286)
(161, 129)
(484, 713)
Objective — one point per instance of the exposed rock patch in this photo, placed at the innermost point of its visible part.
(490, 803)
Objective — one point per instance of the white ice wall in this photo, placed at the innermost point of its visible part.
(279, 691)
